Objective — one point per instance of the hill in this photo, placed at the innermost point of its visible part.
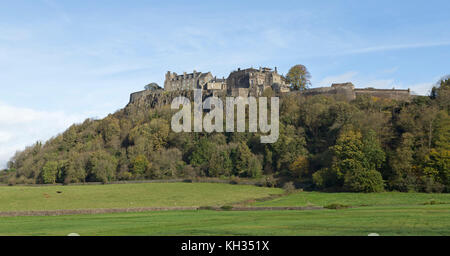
(366, 145)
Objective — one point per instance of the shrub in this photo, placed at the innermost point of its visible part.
(364, 181)
(226, 207)
(336, 206)
(433, 202)
(205, 208)
(289, 187)
(269, 181)
(235, 180)
(325, 178)
(12, 181)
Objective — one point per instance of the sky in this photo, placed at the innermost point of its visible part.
(64, 61)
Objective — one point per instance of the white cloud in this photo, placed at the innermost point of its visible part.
(421, 88)
(396, 47)
(20, 127)
(5, 136)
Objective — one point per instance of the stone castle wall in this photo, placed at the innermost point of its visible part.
(395, 94)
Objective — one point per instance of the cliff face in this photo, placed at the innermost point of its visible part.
(152, 99)
(346, 91)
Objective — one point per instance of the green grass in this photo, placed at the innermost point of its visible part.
(356, 199)
(389, 213)
(25, 198)
(406, 220)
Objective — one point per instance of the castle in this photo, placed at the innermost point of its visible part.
(242, 82)
(253, 82)
(194, 80)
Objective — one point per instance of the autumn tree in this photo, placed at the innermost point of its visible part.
(139, 165)
(299, 77)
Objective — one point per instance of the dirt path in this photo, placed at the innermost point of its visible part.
(149, 209)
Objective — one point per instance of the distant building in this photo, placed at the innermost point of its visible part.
(245, 82)
(347, 91)
(194, 80)
(253, 82)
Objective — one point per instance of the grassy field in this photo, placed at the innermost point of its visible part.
(389, 213)
(25, 198)
(406, 220)
(356, 199)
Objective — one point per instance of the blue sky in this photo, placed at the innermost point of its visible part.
(64, 61)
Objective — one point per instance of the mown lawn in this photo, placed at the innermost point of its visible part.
(25, 198)
(356, 199)
(390, 220)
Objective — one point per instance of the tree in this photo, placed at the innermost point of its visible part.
(356, 162)
(299, 167)
(219, 163)
(152, 87)
(140, 165)
(202, 153)
(362, 180)
(441, 93)
(299, 77)
(101, 167)
(49, 172)
(437, 167)
(246, 164)
(374, 154)
(401, 162)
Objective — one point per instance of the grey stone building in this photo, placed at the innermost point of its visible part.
(194, 80)
(347, 91)
(253, 82)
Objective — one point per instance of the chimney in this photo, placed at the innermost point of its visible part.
(276, 70)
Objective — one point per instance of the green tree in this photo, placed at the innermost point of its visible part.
(49, 172)
(246, 164)
(352, 164)
(363, 180)
(202, 152)
(401, 176)
(299, 77)
(374, 154)
(219, 163)
(101, 167)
